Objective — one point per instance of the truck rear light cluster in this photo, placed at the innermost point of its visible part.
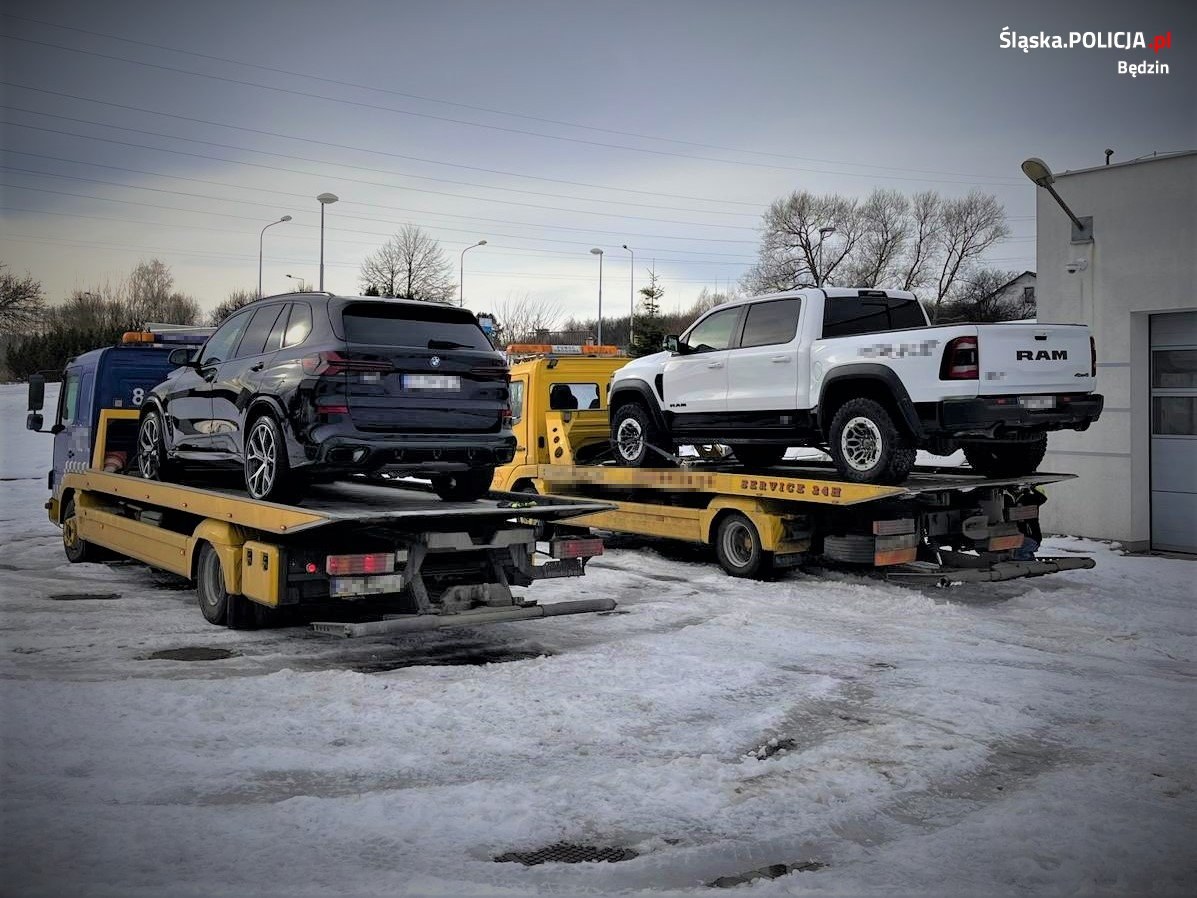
(575, 548)
(371, 563)
(1092, 357)
(960, 360)
(508, 417)
(328, 364)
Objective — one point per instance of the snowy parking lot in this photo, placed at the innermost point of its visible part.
(845, 735)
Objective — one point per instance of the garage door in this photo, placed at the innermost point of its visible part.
(1174, 432)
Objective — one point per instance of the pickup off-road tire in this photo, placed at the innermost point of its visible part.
(267, 467)
(867, 446)
(739, 550)
(759, 456)
(464, 486)
(1006, 459)
(635, 438)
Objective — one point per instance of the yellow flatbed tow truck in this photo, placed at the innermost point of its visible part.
(940, 526)
(382, 555)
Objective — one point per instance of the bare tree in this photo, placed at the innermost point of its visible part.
(971, 225)
(886, 241)
(520, 317)
(411, 265)
(885, 225)
(238, 299)
(152, 297)
(22, 303)
(792, 253)
(926, 221)
(984, 296)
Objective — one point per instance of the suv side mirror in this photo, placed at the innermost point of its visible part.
(33, 422)
(37, 393)
(181, 357)
(670, 344)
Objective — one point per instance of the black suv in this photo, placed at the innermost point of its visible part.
(309, 386)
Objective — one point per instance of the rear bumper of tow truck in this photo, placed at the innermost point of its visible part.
(960, 571)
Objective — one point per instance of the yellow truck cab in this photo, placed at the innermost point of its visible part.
(558, 408)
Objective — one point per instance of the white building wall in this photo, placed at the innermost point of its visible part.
(1143, 259)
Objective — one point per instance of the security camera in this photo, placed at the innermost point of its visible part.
(1076, 265)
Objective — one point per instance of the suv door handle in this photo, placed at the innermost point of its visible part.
(715, 364)
(258, 367)
(780, 359)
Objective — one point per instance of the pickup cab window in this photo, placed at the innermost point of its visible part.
(712, 333)
(769, 323)
(852, 315)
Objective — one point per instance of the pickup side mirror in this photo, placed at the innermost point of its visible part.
(37, 393)
(669, 344)
(181, 357)
(33, 422)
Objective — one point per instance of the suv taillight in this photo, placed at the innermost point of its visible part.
(960, 360)
(1092, 357)
(332, 363)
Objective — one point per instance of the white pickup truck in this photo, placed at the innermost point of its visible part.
(862, 374)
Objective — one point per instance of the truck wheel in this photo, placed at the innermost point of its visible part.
(209, 587)
(267, 468)
(867, 446)
(759, 456)
(635, 438)
(1006, 459)
(152, 460)
(78, 550)
(464, 486)
(739, 550)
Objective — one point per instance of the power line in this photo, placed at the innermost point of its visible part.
(517, 251)
(301, 196)
(492, 171)
(320, 162)
(487, 109)
(427, 115)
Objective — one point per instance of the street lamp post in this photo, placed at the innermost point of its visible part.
(631, 296)
(323, 199)
(1039, 173)
(461, 272)
(303, 287)
(824, 233)
(598, 252)
(261, 237)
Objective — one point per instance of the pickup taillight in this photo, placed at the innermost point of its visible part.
(1092, 357)
(960, 360)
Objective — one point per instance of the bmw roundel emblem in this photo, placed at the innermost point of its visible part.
(435, 361)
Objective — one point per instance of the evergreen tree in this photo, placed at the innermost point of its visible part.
(650, 329)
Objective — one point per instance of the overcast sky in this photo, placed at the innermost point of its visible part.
(545, 128)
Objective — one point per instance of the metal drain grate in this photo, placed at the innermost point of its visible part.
(773, 871)
(566, 853)
(191, 653)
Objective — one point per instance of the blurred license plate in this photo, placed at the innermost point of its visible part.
(431, 382)
(1037, 402)
(349, 587)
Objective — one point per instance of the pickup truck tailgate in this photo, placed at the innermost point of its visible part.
(1034, 358)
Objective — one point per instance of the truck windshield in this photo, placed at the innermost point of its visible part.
(433, 327)
(850, 315)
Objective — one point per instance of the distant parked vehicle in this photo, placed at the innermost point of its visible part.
(314, 386)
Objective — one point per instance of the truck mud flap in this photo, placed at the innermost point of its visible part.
(410, 623)
(1002, 570)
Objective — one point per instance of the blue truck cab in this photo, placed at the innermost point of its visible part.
(113, 377)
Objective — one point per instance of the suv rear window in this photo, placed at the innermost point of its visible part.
(428, 326)
(851, 315)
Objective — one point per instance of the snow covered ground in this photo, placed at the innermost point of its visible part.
(1028, 737)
